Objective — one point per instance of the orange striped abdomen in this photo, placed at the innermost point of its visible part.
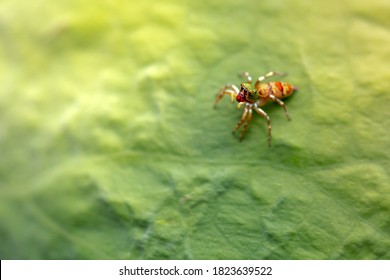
(279, 89)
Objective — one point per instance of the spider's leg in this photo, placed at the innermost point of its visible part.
(264, 115)
(268, 75)
(242, 120)
(248, 119)
(247, 77)
(281, 103)
(231, 90)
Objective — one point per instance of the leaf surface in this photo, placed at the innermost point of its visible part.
(111, 148)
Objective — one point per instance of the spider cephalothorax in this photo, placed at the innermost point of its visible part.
(247, 93)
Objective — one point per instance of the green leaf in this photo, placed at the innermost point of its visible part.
(111, 149)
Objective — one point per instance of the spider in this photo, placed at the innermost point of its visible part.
(255, 96)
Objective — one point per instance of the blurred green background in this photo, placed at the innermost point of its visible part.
(110, 147)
